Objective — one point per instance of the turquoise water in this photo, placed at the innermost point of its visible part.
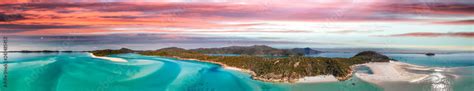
(80, 72)
(439, 60)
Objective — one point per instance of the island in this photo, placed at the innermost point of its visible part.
(266, 63)
(44, 51)
(257, 50)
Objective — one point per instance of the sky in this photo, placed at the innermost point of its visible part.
(154, 24)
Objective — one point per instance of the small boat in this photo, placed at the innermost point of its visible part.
(429, 54)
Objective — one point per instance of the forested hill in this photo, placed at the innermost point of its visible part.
(267, 68)
(256, 50)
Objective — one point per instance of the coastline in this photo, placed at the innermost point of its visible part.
(392, 75)
(286, 72)
(395, 71)
(306, 79)
(390, 72)
(317, 79)
(220, 64)
(108, 58)
(385, 75)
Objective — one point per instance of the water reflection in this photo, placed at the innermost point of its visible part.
(439, 81)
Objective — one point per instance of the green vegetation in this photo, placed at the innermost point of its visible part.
(257, 50)
(267, 68)
(111, 52)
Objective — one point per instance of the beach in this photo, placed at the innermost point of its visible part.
(307, 79)
(391, 71)
(90, 72)
(317, 79)
(109, 58)
(392, 75)
(383, 72)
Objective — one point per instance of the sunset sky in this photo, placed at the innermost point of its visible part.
(153, 24)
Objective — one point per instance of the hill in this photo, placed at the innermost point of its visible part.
(257, 50)
(267, 68)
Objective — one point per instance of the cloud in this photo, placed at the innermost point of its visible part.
(117, 14)
(108, 22)
(254, 31)
(10, 17)
(459, 22)
(432, 34)
(199, 16)
(354, 31)
(205, 15)
(161, 17)
(437, 9)
(17, 28)
(229, 11)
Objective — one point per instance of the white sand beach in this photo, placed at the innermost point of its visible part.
(309, 79)
(390, 75)
(233, 68)
(317, 79)
(391, 71)
(238, 69)
(109, 58)
(394, 71)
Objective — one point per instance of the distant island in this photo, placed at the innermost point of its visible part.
(266, 63)
(43, 51)
(257, 50)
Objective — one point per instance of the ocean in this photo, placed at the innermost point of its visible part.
(80, 72)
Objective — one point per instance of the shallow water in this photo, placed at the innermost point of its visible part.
(439, 60)
(80, 72)
(457, 70)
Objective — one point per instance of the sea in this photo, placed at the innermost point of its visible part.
(81, 72)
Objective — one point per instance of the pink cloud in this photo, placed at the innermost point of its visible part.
(432, 34)
(426, 8)
(355, 31)
(342, 11)
(10, 17)
(460, 22)
(209, 15)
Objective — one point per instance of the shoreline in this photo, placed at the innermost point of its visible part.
(395, 71)
(305, 79)
(317, 79)
(108, 58)
(390, 72)
(391, 75)
(220, 64)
